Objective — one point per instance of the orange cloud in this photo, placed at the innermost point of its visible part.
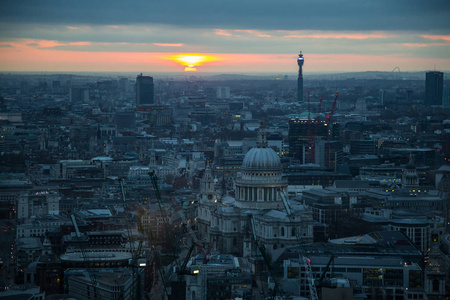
(79, 43)
(78, 27)
(21, 57)
(48, 43)
(169, 44)
(436, 37)
(253, 32)
(415, 45)
(313, 34)
(336, 35)
(222, 32)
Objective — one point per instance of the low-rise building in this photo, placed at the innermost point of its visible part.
(223, 277)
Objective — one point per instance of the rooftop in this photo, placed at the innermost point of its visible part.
(379, 243)
(96, 256)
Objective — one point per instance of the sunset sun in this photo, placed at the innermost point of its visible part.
(191, 61)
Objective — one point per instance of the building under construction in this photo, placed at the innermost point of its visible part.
(305, 132)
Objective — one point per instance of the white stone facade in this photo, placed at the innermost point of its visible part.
(226, 221)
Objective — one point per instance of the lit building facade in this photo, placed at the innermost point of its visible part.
(301, 130)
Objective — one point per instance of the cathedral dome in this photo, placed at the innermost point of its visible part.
(261, 157)
(410, 166)
(260, 178)
(264, 158)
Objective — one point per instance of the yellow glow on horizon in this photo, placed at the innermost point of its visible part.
(192, 60)
(25, 55)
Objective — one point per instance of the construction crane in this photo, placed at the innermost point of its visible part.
(179, 210)
(135, 253)
(316, 284)
(166, 227)
(85, 258)
(183, 270)
(195, 242)
(309, 112)
(329, 130)
(265, 256)
(312, 288)
(309, 122)
(306, 261)
(322, 276)
(334, 105)
(159, 200)
(289, 213)
(314, 135)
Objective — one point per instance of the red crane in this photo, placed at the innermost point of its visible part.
(313, 137)
(329, 130)
(310, 135)
(178, 209)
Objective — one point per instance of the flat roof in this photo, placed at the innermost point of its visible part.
(96, 256)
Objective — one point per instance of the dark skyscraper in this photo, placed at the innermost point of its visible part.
(300, 61)
(299, 136)
(144, 91)
(79, 94)
(434, 84)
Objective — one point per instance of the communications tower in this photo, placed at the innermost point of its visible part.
(300, 61)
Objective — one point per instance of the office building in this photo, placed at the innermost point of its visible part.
(144, 91)
(79, 94)
(303, 134)
(119, 283)
(223, 92)
(434, 84)
(124, 85)
(393, 276)
(446, 97)
(387, 97)
(378, 263)
(329, 154)
(224, 276)
(360, 147)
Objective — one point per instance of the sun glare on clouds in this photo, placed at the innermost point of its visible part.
(192, 60)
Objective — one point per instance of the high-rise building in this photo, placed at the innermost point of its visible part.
(144, 91)
(446, 97)
(300, 61)
(300, 133)
(387, 97)
(79, 94)
(434, 84)
(124, 85)
(223, 92)
(329, 154)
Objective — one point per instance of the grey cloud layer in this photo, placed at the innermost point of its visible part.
(430, 15)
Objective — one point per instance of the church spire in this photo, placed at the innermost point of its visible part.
(261, 140)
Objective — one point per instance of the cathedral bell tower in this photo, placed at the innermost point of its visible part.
(207, 186)
(434, 274)
(206, 205)
(410, 178)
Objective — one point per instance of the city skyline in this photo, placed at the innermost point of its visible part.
(254, 37)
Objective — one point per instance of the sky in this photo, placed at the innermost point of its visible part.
(245, 36)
